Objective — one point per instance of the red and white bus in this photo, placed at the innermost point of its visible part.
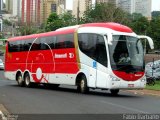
(95, 55)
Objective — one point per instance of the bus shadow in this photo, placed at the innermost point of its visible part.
(73, 90)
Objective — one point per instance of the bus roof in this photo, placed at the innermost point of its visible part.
(71, 29)
(111, 25)
(47, 34)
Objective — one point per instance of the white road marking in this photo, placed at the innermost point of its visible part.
(124, 107)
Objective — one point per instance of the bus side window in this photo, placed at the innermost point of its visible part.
(87, 44)
(69, 42)
(43, 43)
(60, 42)
(101, 51)
(13, 46)
(27, 44)
(36, 45)
(51, 41)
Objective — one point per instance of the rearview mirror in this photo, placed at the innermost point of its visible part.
(150, 41)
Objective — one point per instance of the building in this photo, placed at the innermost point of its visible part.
(127, 5)
(1, 6)
(61, 6)
(1, 21)
(30, 12)
(80, 6)
(49, 6)
(106, 1)
(14, 9)
(132, 6)
(143, 7)
(9, 6)
(136, 6)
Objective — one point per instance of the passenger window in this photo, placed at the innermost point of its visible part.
(43, 44)
(69, 42)
(60, 42)
(93, 45)
(64, 41)
(87, 44)
(27, 44)
(36, 45)
(50, 41)
(101, 51)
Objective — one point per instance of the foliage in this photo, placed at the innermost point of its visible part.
(140, 25)
(105, 13)
(6, 22)
(136, 16)
(27, 30)
(1, 36)
(53, 22)
(68, 19)
(102, 13)
(57, 21)
(154, 31)
(155, 87)
(155, 14)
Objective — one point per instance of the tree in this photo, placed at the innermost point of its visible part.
(53, 22)
(155, 14)
(6, 22)
(140, 25)
(136, 16)
(154, 31)
(68, 19)
(105, 12)
(27, 30)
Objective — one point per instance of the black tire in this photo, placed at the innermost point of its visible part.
(27, 81)
(114, 92)
(82, 85)
(20, 80)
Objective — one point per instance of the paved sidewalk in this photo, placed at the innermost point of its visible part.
(145, 92)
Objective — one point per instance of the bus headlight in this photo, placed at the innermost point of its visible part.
(143, 79)
(114, 78)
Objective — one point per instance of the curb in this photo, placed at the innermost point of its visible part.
(142, 93)
(3, 112)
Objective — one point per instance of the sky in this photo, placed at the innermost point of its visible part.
(155, 4)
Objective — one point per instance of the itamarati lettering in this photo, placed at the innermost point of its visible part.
(60, 55)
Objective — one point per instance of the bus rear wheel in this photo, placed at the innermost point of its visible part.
(114, 92)
(27, 81)
(20, 80)
(82, 86)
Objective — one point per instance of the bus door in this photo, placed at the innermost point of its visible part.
(102, 63)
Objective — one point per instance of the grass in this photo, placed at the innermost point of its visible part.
(155, 87)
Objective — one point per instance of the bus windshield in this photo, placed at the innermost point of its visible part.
(126, 54)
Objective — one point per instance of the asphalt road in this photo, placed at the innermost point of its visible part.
(66, 100)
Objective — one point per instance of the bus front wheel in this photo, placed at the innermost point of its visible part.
(82, 86)
(114, 91)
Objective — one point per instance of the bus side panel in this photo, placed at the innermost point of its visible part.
(65, 61)
(88, 66)
(15, 61)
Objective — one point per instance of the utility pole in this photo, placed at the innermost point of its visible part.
(78, 13)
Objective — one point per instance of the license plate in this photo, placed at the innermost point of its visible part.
(131, 85)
